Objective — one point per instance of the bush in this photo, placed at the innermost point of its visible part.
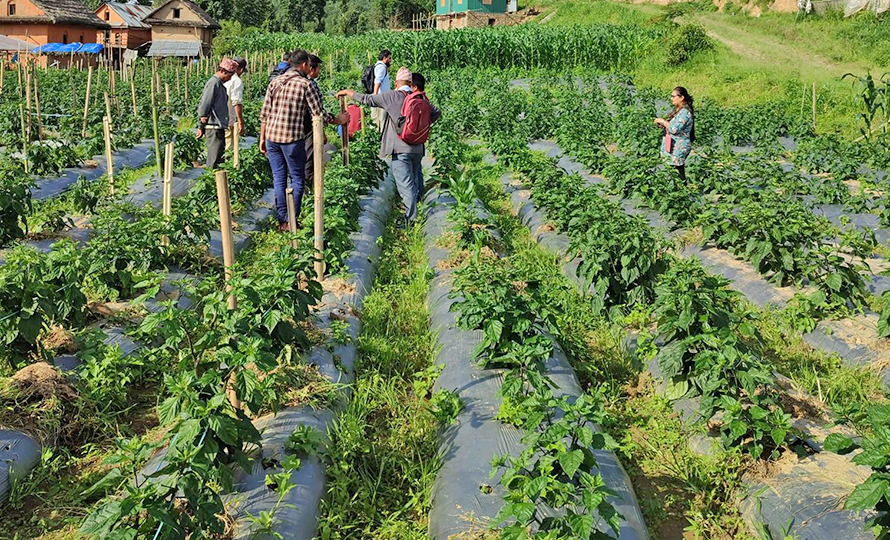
(684, 42)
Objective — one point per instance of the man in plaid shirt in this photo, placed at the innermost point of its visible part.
(289, 98)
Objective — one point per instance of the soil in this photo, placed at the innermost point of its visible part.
(861, 331)
(339, 286)
(42, 379)
(60, 340)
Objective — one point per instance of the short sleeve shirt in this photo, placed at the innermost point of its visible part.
(381, 77)
(235, 90)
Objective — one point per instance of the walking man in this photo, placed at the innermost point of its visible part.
(213, 112)
(235, 90)
(289, 99)
(407, 120)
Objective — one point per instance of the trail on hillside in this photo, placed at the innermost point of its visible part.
(770, 50)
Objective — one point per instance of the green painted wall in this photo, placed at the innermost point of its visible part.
(452, 6)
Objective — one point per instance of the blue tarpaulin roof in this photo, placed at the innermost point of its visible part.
(61, 48)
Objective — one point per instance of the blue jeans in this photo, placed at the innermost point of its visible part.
(406, 171)
(287, 158)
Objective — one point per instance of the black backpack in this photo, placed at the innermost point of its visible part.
(368, 79)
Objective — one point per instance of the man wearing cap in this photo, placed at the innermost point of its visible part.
(405, 167)
(283, 130)
(235, 91)
(213, 112)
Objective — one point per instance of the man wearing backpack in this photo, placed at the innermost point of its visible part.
(375, 79)
(406, 125)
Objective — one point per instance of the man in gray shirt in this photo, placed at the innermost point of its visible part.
(405, 168)
(213, 112)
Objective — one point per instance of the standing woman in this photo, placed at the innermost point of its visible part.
(679, 130)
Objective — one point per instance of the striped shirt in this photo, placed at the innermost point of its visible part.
(289, 99)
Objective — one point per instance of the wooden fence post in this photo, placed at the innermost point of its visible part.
(86, 102)
(291, 215)
(106, 130)
(344, 135)
(225, 229)
(318, 192)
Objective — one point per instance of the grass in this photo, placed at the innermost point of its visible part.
(755, 60)
(384, 445)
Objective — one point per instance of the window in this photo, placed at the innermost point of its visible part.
(117, 38)
(107, 15)
(177, 12)
(10, 9)
(107, 36)
(443, 3)
(65, 39)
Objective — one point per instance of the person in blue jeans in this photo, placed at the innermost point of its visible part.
(405, 168)
(289, 98)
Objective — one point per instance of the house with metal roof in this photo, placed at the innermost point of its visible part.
(181, 28)
(128, 30)
(38, 22)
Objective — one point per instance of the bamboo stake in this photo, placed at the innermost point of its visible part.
(225, 228)
(228, 245)
(167, 204)
(2, 76)
(28, 96)
(292, 216)
(344, 135)
(133, 93)
(37, 110)
(86, 102)
(154, 125)
(24, 137)
(167, 95)
(318, 191)
(108, 109)
(814, 106)
(331, 65)
(236, 146)
(106, 129)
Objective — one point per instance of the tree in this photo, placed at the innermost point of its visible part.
(218, 9)
(296, 16)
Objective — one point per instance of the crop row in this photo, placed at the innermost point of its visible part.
(196, 357)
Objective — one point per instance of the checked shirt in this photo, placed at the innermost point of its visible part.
(288, 99)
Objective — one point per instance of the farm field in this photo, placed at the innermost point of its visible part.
(570, 343)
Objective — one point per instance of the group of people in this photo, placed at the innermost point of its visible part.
(403, 115)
